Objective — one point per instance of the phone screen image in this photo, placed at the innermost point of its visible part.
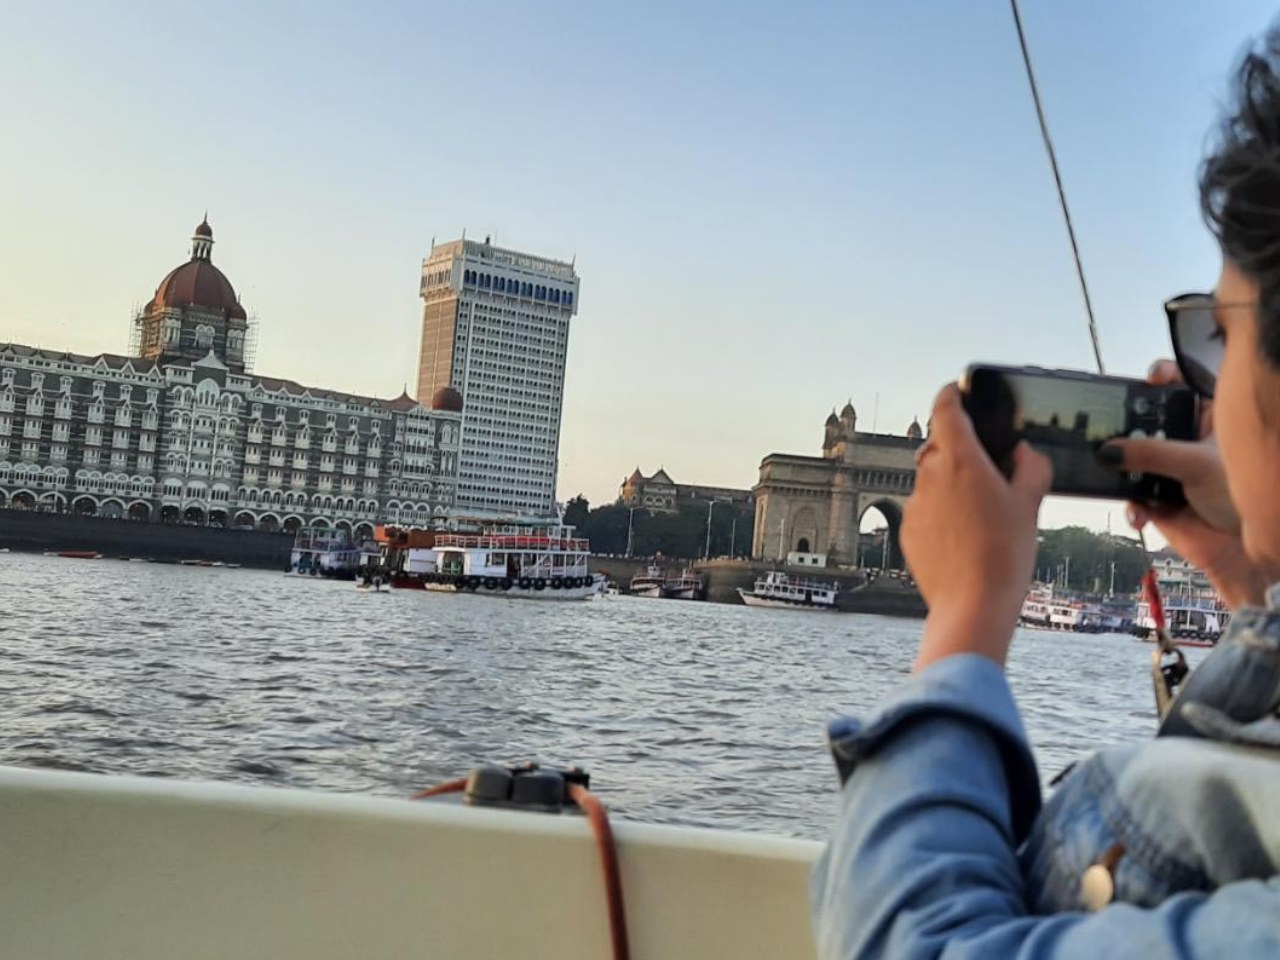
(1068, 417)
(1068, 421)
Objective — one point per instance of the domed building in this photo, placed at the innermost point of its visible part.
(195, 309)
(810, 509)
(181, 432)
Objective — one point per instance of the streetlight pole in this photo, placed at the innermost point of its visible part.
(733, 536)
(630, 517)
(706, 550)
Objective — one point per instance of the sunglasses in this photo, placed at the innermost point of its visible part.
(1197, 339)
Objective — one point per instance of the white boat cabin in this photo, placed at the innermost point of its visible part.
(513, 553)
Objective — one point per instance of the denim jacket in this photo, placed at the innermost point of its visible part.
(942, 848)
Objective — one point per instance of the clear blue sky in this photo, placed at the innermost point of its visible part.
(774, 207)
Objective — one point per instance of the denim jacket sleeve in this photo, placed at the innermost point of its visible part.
(940, 789)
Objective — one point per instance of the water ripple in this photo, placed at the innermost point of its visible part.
(684, 713)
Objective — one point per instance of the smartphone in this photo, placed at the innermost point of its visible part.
(1067, 415)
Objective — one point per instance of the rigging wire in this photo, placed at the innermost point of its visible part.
(1166, 676)
(1057, 179)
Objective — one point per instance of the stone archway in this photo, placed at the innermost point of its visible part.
(878, 545)
(23, 500)
(269, 522)
(85, 506)
(292, 525)
(244, 519)
(193, 515)
(217, 518)
(170, 514)
(139, 511)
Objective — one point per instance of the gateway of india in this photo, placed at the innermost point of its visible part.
(808, 509)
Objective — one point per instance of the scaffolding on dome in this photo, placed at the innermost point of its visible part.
(250, 342)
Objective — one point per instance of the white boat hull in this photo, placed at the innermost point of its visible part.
(523, 593)
(653, 591)
(121, 868)
(754, 600)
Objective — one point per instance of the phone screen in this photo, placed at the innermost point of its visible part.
(1068, 416)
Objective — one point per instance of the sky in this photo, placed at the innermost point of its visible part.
(774, 208)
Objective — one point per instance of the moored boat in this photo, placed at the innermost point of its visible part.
(1044, 610)
(75, 554)
(778, 589)
(1192, 621)
(649, 583)
(686, 586)
(324, 553)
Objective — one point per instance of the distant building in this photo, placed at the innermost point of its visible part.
(495, 325)
(183, 432)
(815, 505)
(1177, 577)
(660, 494)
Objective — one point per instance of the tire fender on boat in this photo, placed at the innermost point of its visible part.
(525, 583)
(539, 584)
(556, 583)
(506, 583)
(490, 583)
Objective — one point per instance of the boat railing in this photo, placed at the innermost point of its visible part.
(323, 540)
(511, 542)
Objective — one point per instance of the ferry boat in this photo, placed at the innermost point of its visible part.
(1193, 621)
(778, 589)
(687, 586)
(545, 562)
(649, 583)
(407, 556)
(325, 553)
(1042, 610)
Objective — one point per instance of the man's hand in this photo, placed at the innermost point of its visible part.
(970, 536)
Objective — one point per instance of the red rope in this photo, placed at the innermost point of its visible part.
(451, 786)
(598, 817)
(1151, 590)
(599, 820)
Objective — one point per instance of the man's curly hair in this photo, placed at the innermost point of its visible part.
(1240, 184)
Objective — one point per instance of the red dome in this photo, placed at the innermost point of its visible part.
(448, 399)
(204, 230)
(198, 283)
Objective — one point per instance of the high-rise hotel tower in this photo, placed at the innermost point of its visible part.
(495, 326)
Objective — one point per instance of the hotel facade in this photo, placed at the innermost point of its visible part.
(181, 430)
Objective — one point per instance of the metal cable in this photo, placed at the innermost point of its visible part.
(1057, 179)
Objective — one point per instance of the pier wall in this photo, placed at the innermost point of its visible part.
(37, 532)
(723, 578)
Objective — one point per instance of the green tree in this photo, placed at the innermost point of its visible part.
(1082, 560)
(576, 512)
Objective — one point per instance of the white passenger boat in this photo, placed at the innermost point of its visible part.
(521, 561)
(1043, 610)
(778, 589)
(325, 553)
(1193, 621)
(686, 586)
(649, 583)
